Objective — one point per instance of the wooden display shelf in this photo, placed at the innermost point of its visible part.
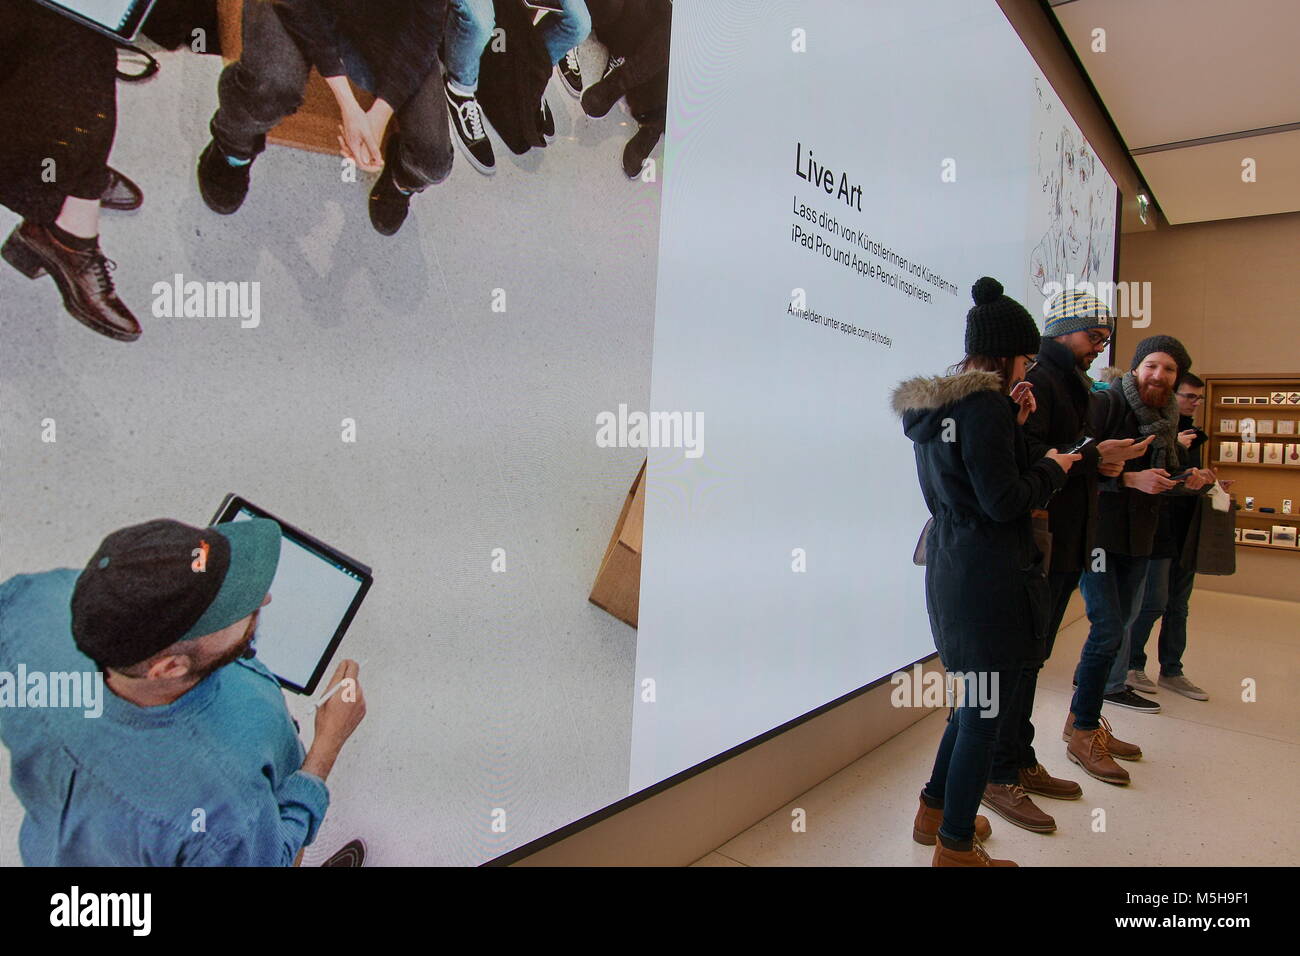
(1269, 484)
(1252, 464)
(1267, 547)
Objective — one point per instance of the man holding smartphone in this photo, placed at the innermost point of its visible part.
(1171, 574)
(1077, 330)
(1140, 405)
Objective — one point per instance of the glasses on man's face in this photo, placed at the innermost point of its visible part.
(1192, 397)
(1098, 338)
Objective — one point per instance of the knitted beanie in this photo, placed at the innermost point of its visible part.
(1167, 344)
(998, 325)
(1076, 311)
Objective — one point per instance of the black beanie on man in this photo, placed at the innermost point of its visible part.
(1167, 344)
(998, 325)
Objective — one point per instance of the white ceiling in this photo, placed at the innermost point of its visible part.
(1195, 87)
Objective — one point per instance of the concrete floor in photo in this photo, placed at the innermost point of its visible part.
(475, 430)
(1215, 787)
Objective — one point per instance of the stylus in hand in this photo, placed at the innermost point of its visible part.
(316, 704)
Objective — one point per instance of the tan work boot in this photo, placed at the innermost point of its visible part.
(975, 856)
(925, 829)
(1038, 780)
(1011, 803)
(1087, 748)
(1120, 749)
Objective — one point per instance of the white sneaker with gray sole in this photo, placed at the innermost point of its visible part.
(1181, 685)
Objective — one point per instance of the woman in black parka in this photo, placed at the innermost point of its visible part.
(985, 591)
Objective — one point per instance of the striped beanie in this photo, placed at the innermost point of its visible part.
(1075, 311)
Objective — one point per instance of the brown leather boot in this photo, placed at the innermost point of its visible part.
(1011, 803)
(82, 278)
(1120, 749)
(926, 826)
(1087, 748)
(1038, 780)
(951, 854)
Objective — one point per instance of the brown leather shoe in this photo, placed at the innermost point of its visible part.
(1121, 749)
(1039, 781)
(1011, 803)
(925, 829)
(1087, 748)
(82, 277)
(975, 856)
(122, 193)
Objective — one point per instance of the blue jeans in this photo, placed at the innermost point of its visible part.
(961, 767)
(1169, 588)
(469, 28)
(1113, 597)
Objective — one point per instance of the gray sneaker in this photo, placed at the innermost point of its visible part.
(1181, 685)
(1138, 680)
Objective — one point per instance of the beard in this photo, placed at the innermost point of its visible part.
(1154, 394)
(243, 649)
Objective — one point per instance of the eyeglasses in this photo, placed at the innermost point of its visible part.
(1192, 397)
(1030, 363)
(1098, 338)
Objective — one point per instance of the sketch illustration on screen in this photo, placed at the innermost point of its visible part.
(1080, 203)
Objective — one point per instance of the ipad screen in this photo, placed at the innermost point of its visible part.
(309, 597)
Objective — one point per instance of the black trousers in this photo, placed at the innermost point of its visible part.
(58, 108)
(638, 31)
(266, 84)
(1015, 749)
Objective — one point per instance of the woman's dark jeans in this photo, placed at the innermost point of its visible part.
(961, 767)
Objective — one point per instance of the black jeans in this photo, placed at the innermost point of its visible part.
(58, 99)
(638, 31)
(1015, 750)
(266, 84)
(961, 767)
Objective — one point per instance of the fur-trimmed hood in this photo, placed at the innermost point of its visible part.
(919, 401)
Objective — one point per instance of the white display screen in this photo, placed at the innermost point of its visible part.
(309, 597)
(914, 146)
(112, 14)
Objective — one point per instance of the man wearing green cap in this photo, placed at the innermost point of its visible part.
(195, 760)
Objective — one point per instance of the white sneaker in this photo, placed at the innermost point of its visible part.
(1138, 680)
(1181, 685)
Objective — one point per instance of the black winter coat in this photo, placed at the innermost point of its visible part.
(1127, 518)
(984, 588)
(1060, 420)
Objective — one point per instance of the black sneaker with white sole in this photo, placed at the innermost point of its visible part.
(466, 118)
(1126, 698)
(570, 72)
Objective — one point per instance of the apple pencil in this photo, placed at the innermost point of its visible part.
(333, 690)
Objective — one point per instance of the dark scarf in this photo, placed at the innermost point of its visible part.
(1161, 422)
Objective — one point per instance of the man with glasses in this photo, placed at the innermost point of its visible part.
(1077, 330)
(1170, 577)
